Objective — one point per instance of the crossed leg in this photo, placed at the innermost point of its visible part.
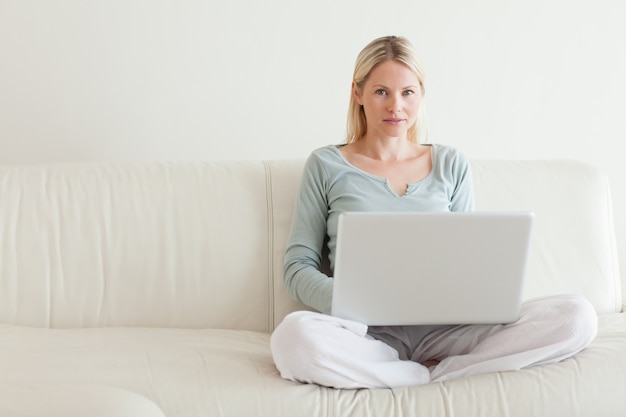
(316, 348)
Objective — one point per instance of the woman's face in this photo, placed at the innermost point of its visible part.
(391, 100)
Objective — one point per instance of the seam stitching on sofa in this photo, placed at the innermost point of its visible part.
(270, 244)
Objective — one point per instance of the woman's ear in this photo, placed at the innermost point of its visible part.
(356, 94)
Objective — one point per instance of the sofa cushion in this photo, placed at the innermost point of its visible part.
(73, 400)
(200, 245)
(197, 373)
(573, 248)
(146, 244)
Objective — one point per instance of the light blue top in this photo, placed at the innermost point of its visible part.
(331, 185)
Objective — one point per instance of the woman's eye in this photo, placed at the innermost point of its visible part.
(408, 92)
(380, 92)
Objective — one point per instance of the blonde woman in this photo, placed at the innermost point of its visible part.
(384, 167)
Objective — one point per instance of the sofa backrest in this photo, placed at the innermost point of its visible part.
(573, 248)
(200, 245)
(153, 244)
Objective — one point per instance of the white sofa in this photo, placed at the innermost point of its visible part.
(151, 289)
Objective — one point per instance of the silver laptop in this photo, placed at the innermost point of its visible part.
(431, 268)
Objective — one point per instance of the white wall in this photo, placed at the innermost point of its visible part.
(202, 79)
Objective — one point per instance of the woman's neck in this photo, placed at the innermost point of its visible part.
(387, 149)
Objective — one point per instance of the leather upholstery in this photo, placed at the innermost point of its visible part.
(163, 281)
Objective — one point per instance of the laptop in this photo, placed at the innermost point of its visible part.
(431, 268)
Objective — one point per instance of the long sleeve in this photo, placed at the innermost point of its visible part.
(303, 256)
(462, 198)
(330, 185)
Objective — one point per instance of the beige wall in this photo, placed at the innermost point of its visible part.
(202, 79)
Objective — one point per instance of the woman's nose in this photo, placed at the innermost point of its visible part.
(395, 105)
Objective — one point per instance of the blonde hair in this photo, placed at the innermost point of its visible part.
(383, 49)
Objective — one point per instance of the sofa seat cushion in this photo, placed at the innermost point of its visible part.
(184, 371)
(73, 400)
(199, 372)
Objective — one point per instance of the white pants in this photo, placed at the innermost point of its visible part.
(317, 348)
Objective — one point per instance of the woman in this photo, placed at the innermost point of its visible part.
(384, 167)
